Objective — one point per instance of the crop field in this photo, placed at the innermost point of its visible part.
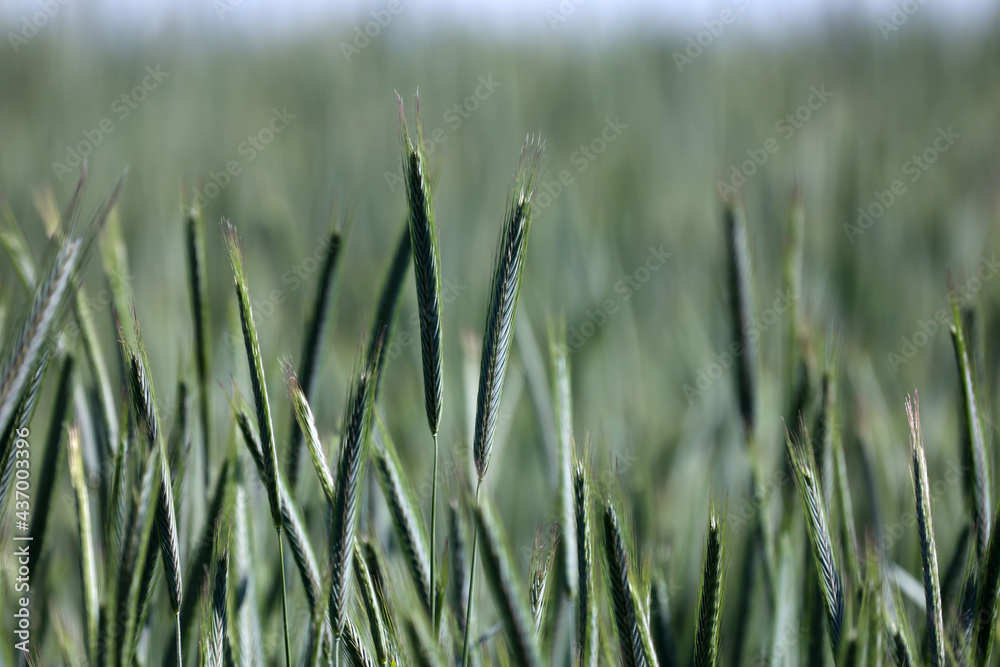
(390, 344)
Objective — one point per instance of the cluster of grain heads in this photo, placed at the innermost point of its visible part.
(258, 382)
(504, 291)
(31, 331)
(146, 546)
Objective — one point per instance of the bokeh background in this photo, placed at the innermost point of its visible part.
(648, 112)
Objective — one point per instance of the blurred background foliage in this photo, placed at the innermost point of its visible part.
(655, 186)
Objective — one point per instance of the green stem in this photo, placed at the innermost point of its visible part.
(336, 652)
(570, 607)
(434, 485)
(472, 583)
(763, 519)
(284, 597)
(180, 654)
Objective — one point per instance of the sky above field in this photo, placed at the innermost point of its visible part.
(505, 17)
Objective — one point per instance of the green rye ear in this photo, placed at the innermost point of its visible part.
(928, 549)
(807, 481)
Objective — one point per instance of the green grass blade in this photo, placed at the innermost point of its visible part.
(974, 458)
(88, 562)
(50, 462)
(194, 247)
(563, 402)
(21, 421)
(134, 596)
(987, 600)
(392, 288)
(248, 648)
(371, 606)
(661, 625)
(743, 310)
